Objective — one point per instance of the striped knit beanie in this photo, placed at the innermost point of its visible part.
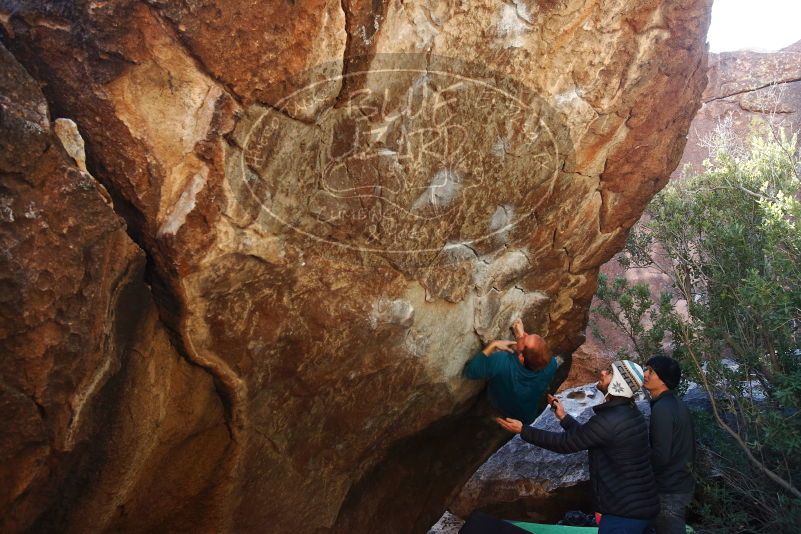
(627, 379)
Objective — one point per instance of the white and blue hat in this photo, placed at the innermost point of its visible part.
(627, 378)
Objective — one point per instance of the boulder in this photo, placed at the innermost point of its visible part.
(447, 524)
(101, 417)
(338, 202)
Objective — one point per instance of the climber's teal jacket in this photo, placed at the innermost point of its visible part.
(514, 390)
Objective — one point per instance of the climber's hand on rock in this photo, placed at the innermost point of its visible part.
(557, 407)
(512, 425)
(517, 328)
(499, 344)
(508, 346)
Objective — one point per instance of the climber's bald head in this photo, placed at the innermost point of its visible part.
(534, 350)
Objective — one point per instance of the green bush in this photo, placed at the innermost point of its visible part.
(730, 497)
(729, 241)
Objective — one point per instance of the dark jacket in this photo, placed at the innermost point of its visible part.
(620, 470)
(672, 444)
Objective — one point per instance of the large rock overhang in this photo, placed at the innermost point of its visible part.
(339, 209)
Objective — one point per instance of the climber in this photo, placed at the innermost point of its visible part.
(672, 444)
(519, 373)
(624, 488)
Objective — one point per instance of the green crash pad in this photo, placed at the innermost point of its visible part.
(537, 528)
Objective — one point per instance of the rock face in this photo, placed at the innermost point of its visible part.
(100, 415)
(447, 524)
(586, 363)
(745, 88)
(336, 210)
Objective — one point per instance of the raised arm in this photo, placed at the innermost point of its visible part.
(480, 367)
(517, 329)
(498, 344)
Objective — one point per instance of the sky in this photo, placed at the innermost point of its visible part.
(763, 25)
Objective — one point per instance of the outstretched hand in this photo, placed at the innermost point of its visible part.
(512, 425)
(558, 409)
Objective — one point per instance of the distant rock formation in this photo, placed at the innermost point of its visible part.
(328, 206)
(746, 87)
